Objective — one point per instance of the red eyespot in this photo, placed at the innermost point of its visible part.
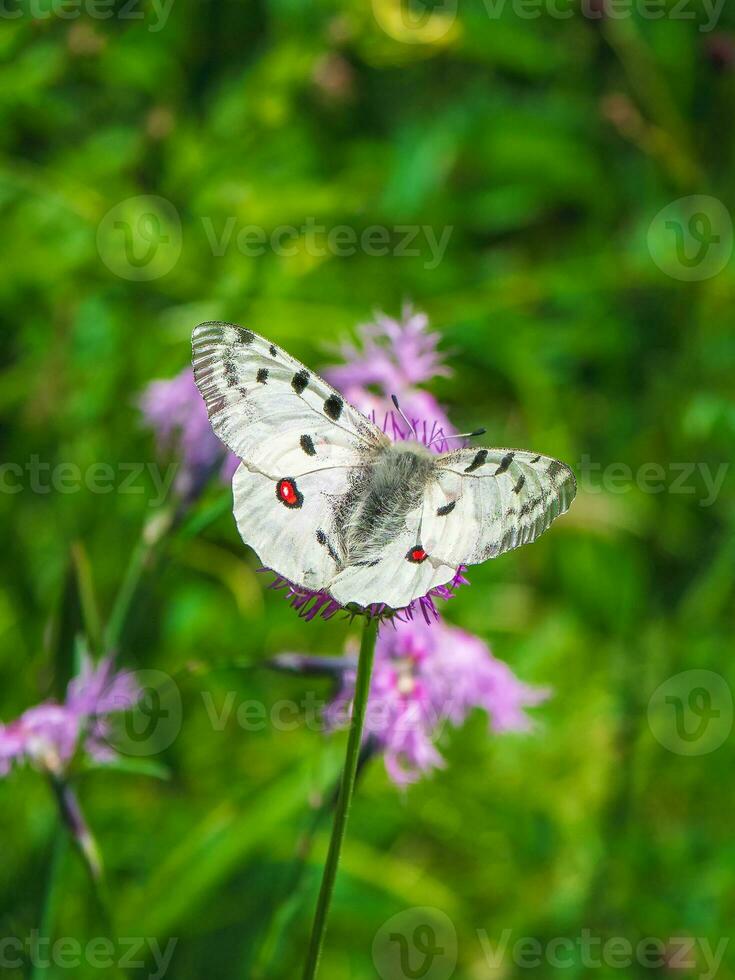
(417, 555)
(288, 493)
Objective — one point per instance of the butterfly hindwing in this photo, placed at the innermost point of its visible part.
(396, 573)
(291, 523)
(485, 502)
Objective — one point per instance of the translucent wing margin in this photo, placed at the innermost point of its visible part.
(485, 502)
(277, 416)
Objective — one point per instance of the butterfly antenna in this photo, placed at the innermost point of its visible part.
(405, 418)
(462, 435)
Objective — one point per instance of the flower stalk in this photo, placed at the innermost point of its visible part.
(73, 819)
(347, 785)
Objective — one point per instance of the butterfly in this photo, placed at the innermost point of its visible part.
(330, 503)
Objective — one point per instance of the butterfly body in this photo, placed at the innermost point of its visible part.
(390, 488)
(330, 503)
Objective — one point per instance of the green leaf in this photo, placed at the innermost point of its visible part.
(214, 849)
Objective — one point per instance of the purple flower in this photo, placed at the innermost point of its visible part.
(49, 734)
(424, 677)
(176, 412)
(309, 604)
(395, 355)
(394, 358)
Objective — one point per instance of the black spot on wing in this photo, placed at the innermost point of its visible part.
(326, 543)
(262, 375)
(519, 486)
(446, 509)
(504, 463)
(555, 468)
(307, 444)
(333, 407)
(231, 374)
(272, 350)
(535, 459)
(299, 381)
(244, 337)
(479, 459)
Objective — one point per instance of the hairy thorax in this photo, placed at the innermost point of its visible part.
(395, 486)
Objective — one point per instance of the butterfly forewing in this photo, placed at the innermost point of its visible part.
(487, 501)
(303, 449)
(270, 410)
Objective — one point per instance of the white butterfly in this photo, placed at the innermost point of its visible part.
(330, 503)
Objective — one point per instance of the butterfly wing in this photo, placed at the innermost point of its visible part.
(488, 501)
(303, 448)
(270, 410)
(476, 505)
(298, 539)
(397, 572)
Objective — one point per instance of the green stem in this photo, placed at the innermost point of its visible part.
(293, 896)
(347, 785)
(73, 819)
(51, 895)
(73, 822)
(153, 533)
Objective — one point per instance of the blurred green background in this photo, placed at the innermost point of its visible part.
(577, 322)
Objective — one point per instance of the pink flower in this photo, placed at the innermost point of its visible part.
(424, 677)
(48, 734)
(395, 355)
(394, 358)
(176, 412)
(309, 604)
